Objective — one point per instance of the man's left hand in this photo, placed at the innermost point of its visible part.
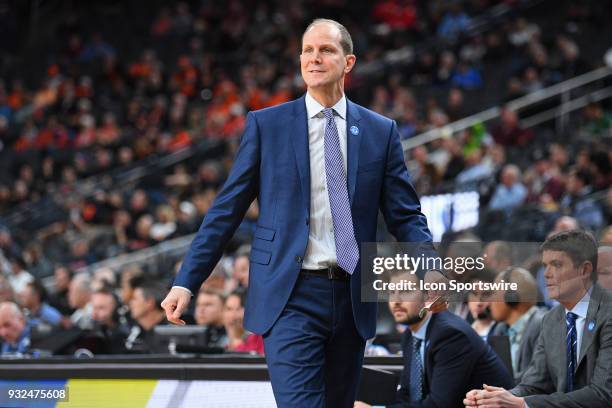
(359, 404)
(496, 397)
(435, 277)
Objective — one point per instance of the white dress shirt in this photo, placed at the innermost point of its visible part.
(581, 308)
(321, 249)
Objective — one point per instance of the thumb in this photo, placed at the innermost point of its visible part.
(180, 307)
(492, 388)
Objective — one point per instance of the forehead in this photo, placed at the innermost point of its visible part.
(320, 33)
(102, 298)
(549, 256)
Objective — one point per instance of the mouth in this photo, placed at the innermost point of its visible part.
(316, 71)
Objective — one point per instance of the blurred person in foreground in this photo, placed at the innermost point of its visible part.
(443, 356)
(209, 314)
(79, 297)
(14, 329)
(319, 193)
(520, 318)
(147, 313)
(105, 314)
(573, 355)
(238, 339)
(32, 298)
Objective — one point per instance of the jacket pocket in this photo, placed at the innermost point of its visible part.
(260, 257)
(264, 233)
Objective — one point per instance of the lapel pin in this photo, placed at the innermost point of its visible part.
(354, 130)
(591, 325)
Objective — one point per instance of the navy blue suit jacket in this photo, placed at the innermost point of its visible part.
(457, 360)
(272, 165)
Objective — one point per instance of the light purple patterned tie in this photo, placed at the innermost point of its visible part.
(347, 250)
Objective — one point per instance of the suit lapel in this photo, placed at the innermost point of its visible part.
(298, 129)
(354, 134)
(588, 334)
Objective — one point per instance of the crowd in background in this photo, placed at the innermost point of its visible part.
(101, 107)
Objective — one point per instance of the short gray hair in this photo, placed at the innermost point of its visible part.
(346, 42)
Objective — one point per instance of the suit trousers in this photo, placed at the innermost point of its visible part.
(314, 352)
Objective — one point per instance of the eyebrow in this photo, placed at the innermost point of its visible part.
(320, 46)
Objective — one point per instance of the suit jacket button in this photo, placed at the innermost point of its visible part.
(306, 221)
(298, 259)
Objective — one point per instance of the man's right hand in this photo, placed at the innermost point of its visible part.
(175, 304)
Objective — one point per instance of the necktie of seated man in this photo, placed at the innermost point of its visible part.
(416, 371)
(571, 340)
(347, 250)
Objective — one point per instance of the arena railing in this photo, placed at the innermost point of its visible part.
(562, 89)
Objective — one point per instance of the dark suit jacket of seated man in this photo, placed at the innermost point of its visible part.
(456, 361)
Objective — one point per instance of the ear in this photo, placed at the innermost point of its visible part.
(350, 63)
(586, 270)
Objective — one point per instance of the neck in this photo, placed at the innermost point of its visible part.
(416, 326)
(573, 300)
(482, 324)
(151, 319)
(516, 313)
(328, 97)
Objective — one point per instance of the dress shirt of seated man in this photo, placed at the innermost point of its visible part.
(520, 318)
(572, 358)
(14, 330)
(443, 356)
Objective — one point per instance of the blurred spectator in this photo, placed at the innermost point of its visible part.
(497, 255)
(466, 77)
(6, 290)
(32, 298)
(480, 310)
(61, 284)
(19, 277)
(474, 172)
(103, 277)
(509, 132)
(520, 317)
(14, 330)
(604, 267)
(79, 298)
(597, 122)
(209, 313)
(240, 273)
(238, 338)
(578, 203)
(454, 23)
(510, 192)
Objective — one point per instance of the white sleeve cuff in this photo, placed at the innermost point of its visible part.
(183, 288)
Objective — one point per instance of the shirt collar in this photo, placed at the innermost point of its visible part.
(422, 331)
(519, 326)
(313, 108)
(582, 307)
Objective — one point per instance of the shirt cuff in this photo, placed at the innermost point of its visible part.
(183, 288)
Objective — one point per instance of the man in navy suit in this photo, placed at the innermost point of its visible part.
(321, 168)
(443, 355)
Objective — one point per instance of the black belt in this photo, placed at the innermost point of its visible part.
(331, 272)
